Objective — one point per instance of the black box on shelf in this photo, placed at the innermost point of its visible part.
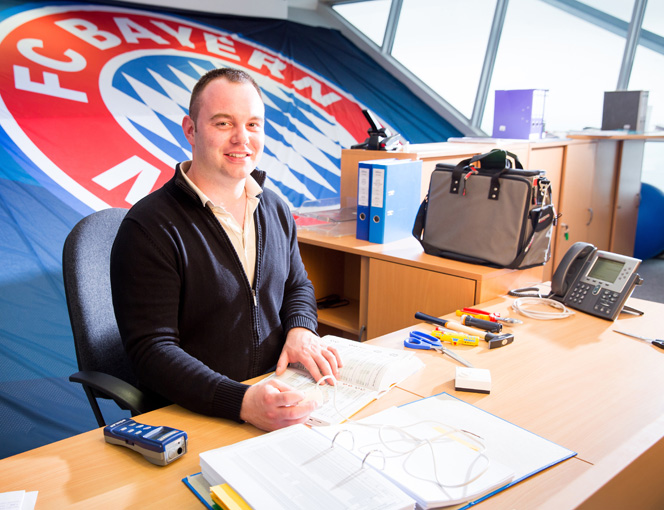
(625, 109)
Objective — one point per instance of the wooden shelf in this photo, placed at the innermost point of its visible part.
(344, 318)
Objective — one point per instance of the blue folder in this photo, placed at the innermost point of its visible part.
(395, 199)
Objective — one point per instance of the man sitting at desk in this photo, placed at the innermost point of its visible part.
(208, 285)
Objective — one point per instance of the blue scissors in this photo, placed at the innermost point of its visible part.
(419, 340)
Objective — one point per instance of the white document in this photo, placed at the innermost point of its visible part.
(368, 372)
(297, 468)
(18, 500)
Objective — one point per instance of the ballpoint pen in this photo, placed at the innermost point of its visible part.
(654, 341)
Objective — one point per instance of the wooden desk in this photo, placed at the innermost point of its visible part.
(387, 283)
(578, 383)
(573, 381)
(84, 472)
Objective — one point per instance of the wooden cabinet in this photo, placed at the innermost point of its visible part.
(397, 291)
(341, 273)
(385, 284)
(628, 195)
(429, 154)
(594, 185)
(616, 190)
(577, 219)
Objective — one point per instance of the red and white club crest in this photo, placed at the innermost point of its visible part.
(94, 97)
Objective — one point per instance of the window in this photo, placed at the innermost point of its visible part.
(648, 69)
(369, 17)
(648, 74)
(543, 47)
(443, 44)
(574, 49)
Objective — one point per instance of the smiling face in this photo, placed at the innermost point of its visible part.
(227, 135)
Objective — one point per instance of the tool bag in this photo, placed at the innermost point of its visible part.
(488, 210)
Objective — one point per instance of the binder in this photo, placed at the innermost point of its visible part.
(364, 170)
(475, 453)
(395, 199)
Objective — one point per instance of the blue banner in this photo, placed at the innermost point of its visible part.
(91, 102)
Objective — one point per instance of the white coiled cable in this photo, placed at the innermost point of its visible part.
(520, 306)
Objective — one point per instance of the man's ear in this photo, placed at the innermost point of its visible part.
(189, 128)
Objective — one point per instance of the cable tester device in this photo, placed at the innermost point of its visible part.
(159, 445)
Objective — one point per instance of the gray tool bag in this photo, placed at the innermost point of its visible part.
(488, 210)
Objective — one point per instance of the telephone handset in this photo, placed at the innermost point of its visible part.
(595, 281)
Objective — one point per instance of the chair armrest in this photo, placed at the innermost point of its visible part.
(124, 394)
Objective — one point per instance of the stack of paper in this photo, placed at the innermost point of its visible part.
(297, 468)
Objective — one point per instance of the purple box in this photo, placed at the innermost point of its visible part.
(519, 114)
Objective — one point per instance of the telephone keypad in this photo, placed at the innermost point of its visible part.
(606, 299)
(579, 292)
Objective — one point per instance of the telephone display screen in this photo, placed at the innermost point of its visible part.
(606, 270)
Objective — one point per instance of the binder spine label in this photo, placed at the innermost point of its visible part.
(377, 185)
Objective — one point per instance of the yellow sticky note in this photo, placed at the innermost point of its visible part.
(224, 496)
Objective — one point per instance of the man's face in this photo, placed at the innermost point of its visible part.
(229, 135)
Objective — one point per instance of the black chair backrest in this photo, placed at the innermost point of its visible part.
(86, 273)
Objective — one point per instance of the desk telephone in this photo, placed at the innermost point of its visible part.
(595, 281)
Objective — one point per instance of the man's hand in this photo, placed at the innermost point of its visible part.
(305, 347)
(272, 405)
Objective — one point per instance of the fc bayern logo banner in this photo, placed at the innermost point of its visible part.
(94, 96)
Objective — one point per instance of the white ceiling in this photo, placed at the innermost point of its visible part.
(261, 8)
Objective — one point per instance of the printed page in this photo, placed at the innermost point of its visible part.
(339, 402)
(371, 366)
(296, 468)
(368, 371)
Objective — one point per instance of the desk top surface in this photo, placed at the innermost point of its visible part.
(573, 381)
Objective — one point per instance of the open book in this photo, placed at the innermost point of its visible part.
(434, 452)
(368, 372)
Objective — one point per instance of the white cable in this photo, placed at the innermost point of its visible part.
(519, 305)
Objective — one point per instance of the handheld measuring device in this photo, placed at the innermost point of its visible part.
(159, 445)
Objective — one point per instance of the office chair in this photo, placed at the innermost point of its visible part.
(104, 369)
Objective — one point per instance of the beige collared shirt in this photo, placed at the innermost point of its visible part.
(243, 239)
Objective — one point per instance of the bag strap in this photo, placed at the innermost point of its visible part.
(494, 160)
(418, 226)
(497, 159)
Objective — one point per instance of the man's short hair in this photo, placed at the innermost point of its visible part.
(228, 73)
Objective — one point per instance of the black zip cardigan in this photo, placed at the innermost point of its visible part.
(190, 322)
